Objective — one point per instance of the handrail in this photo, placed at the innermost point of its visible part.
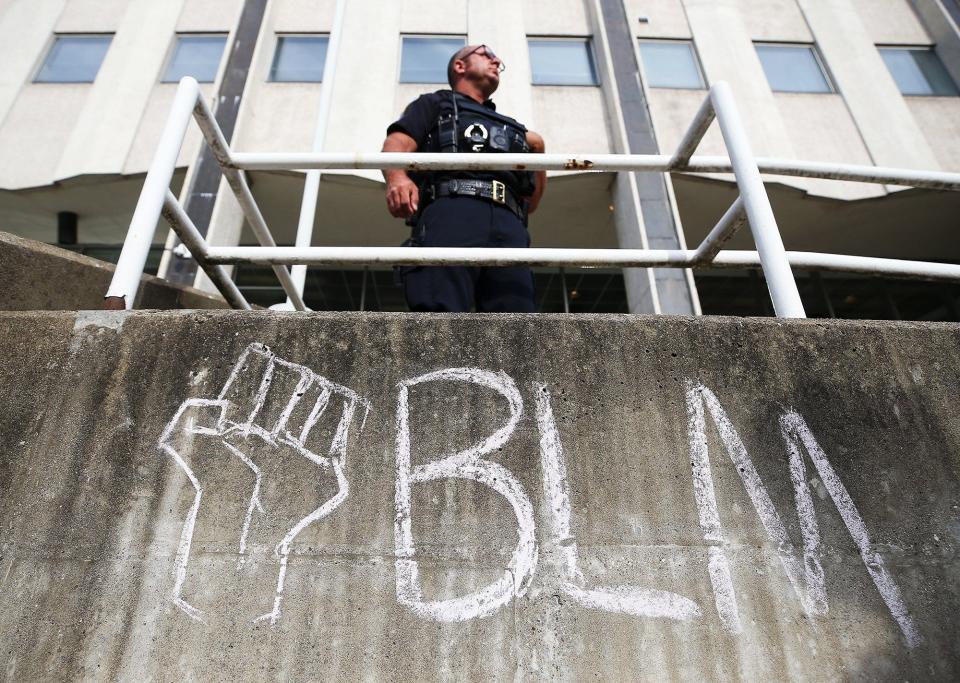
(752, 206)
(584, 258)
(662, 163)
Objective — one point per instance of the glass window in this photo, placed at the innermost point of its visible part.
(918, 71)
(197, 56)
(793, 68)
(671, 64)
(562, 62)
(299, 59)
(74, 59)
(424, 58)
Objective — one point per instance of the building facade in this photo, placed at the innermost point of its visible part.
(87, 86)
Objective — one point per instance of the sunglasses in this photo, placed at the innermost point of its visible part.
(488, 53)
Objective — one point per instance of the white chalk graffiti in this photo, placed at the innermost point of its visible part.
(811, 588)
(641, 602)
(467, 464)
(796, 432)
(275, 434)
(270, 422)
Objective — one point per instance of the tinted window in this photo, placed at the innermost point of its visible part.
(299, 59)
(793, 68)
(918, 71)
(670, 65)
(197, 56)
(562, 62)
(424, 59)
(74, 59)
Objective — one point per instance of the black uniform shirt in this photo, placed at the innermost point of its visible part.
(420, 118)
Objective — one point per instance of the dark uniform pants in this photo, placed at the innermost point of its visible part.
(469, 222)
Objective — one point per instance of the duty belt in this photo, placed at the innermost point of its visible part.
(494, 190)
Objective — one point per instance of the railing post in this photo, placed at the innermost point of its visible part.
(241, 190)
(691, 139)
(192, 239)
(311, 185)
(143, 225)
(763, 225)
(722, 232)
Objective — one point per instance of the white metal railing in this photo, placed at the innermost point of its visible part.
(752, 206)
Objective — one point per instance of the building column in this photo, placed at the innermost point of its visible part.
(204, 180)
(941, 19)
(644, 212)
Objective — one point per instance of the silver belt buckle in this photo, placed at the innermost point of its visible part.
(499, 192)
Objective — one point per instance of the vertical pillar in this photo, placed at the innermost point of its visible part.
(205, 180)
(953, 8)
(67, 232)
(644, 211)
(941, 19)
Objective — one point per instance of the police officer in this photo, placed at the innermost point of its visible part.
(460, 208)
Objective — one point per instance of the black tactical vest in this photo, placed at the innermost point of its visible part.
(464, 125)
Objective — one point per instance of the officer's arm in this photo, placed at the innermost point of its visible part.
(535, 142)
(403, 197)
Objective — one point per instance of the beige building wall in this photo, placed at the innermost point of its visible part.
(96, 134)
(51, 132)
(367, 95)
(867, 121)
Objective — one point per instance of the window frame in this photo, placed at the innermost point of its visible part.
(172, 51)
(591, 53)
(832, 88)
(70, 34)
(918, 48)
(697, 62)
(438, 36)
(276, 52)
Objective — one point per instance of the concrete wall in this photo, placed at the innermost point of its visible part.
(396, 497)
(38, 277)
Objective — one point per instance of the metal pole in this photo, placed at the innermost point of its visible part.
(824, 294)
(192, 239)
(722, 232)
(311, 186)
(238, 183)
(651, 163)
(691, 140)
(563, 286)
(363, 289)
(580, 258)
(766, 234)
(143, 225)
(259, 226)
(452, 256)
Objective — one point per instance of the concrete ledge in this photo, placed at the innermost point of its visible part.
(41, 277)
(232, 496)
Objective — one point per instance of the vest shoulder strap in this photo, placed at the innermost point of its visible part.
(468, 105)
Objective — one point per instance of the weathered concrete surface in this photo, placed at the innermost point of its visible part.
(40, 277)
(93, 515)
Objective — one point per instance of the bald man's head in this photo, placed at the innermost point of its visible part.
(474, 70)
(459, 54)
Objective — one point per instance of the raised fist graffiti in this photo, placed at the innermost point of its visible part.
(266, 460)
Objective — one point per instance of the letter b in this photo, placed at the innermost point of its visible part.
(470, 465)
